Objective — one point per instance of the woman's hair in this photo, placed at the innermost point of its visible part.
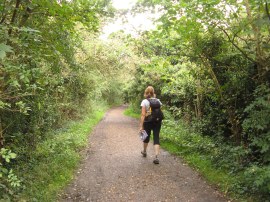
(149, 92)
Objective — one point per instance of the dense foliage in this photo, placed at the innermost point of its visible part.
(52, 69)
(209, 62)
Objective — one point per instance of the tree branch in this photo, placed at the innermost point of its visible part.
(237, 47)
(3, 19)
(267, 10)
(15, 97)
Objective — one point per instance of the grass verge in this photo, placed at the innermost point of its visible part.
(129, 112)
(55, 159)
(202, 163)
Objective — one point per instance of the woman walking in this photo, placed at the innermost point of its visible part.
(148, 124)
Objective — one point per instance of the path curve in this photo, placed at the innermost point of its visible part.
(114, 170)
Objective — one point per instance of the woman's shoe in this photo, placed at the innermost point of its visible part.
(144, 154)
(156, 161)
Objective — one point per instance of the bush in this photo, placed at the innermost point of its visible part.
(257, 181)
(257, 125)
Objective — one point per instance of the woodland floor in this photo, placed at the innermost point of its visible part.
(114, 170)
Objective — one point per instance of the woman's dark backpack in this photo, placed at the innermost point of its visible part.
(156, 113)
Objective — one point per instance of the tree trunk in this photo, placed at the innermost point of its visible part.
(233, 120)
(14, 15)
(187, 116)
(199, 100)
(214, 77)
(26, 14)
(235, 127)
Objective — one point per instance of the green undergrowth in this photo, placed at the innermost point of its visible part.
(130, 112)
(198, 152)
(54, 161)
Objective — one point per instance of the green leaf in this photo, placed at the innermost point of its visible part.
(13, 155)
(27, 29)
(4, 49)
(2, 54)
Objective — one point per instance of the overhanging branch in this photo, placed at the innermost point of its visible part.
(237, 47)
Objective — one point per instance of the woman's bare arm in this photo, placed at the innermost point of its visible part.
(143, 113)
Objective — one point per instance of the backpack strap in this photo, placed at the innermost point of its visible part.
(149, 104)
(150, 99)
(152, 105)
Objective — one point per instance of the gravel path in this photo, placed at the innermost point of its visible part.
(114, 170)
